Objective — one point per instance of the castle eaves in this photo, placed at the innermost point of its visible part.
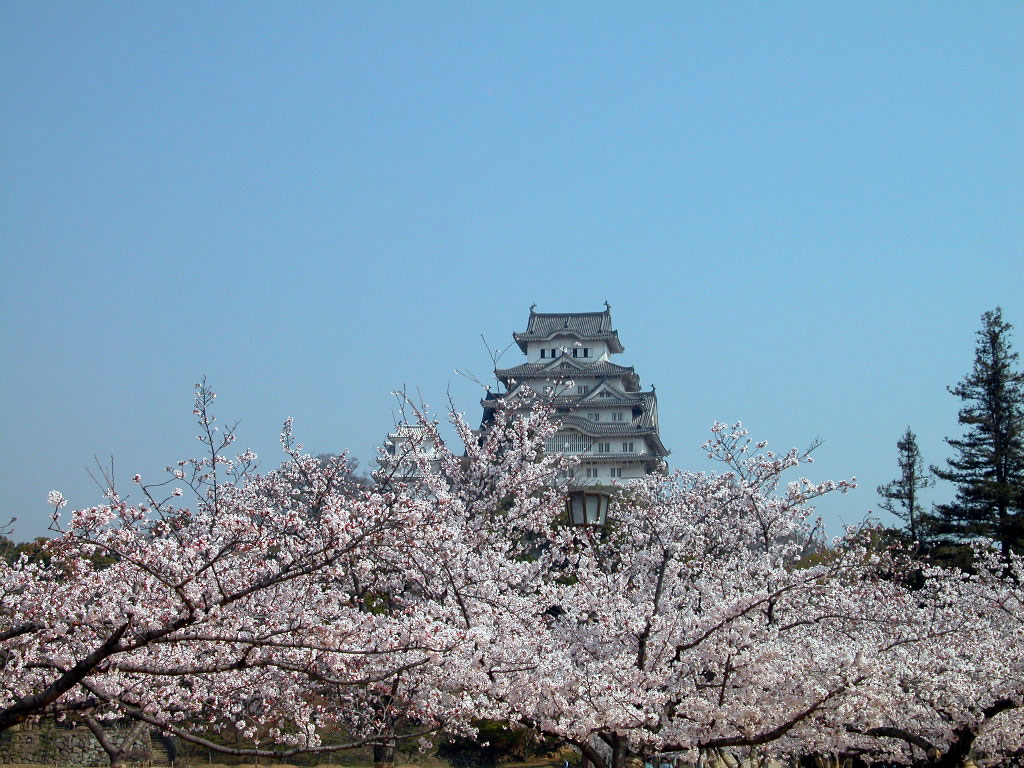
(572, 367)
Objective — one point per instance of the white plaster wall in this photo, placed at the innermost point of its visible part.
(604, 477)
(565, 345)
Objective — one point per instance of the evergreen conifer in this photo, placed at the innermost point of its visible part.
(988, 465)
(900, 496)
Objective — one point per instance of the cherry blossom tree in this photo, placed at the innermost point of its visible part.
(256, 606)
(685, 623)
(952, 683)
(707, 617)
(283, 604)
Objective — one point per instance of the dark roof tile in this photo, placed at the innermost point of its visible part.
(585, 326)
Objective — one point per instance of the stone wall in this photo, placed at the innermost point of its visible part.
(48, 744)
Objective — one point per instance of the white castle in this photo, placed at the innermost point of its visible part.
(606, 419)
(397, 458)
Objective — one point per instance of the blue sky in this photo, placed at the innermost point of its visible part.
(798, 212)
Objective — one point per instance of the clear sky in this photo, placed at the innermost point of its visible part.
(798, 212)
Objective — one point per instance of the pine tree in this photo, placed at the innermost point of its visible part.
(988, 465)
(900, 495)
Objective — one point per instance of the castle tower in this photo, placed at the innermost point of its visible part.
(397, 457)
(606, 419)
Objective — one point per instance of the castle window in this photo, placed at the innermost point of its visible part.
(617, 416)
(591, 471)
(615, 471)
(543, 353)
(603, 447)
(627, 447)
(581, 389)
(594, 416)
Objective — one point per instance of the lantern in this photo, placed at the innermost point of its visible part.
(587, 508)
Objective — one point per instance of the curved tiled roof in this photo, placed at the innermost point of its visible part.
(550, 369)
(585, 326)
(645, 424)
(591, 399)
(606, 429)
(596, 428)
(573, 401)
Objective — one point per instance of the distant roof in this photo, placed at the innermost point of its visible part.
(585, 326)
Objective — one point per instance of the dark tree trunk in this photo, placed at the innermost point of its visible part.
(619, 753)
(115, 752)
(384, 754)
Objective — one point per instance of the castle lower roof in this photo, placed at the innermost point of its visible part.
(570, 401)
(644, 424)
(565, 367)
(599, 430)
